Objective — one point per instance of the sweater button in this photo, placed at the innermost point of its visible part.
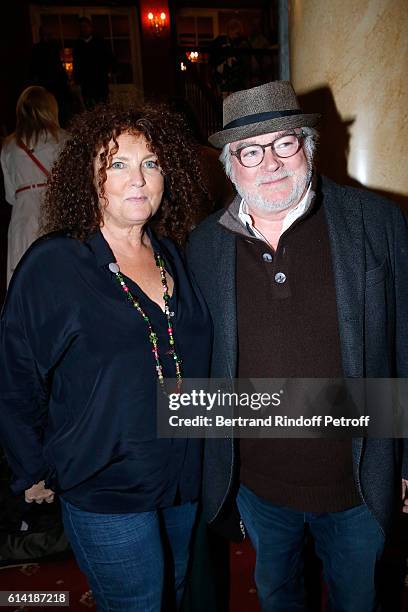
(267, 257)
(280, 277)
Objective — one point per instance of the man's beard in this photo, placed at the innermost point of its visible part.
(268, 203)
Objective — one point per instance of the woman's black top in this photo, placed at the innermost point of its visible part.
(78, 382)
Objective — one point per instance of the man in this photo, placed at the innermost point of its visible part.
(303, 278)
(46, 69)
(92, 61)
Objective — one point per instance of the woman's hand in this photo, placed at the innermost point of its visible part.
(39, 493)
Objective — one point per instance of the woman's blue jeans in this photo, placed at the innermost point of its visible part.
(134, 562)
(349, 543)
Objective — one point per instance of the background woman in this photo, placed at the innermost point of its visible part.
(26, 159)
(99, 313)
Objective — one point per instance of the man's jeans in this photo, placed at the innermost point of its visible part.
(349, 543)
(126, 556)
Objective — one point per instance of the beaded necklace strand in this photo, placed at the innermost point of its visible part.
(113, 267)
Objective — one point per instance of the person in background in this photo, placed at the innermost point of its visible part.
(261, 65)
(100, 313)
(229, 59)
(46, 69)
(93, 62)
(27, 156)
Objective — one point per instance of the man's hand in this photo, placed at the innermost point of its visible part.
(39, 493)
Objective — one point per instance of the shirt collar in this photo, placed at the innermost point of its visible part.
(290, 218)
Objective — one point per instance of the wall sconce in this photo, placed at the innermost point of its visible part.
(67, 61)
(192, 56)
(157, 21)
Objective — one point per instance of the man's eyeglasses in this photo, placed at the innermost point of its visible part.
(284, 146)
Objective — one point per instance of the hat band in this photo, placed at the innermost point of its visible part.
(248, 119)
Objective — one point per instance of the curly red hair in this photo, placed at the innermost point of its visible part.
(72, 203)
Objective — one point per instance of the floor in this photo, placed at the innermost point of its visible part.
(64, 575)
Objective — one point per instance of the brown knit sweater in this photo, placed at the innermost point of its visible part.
(290, 329)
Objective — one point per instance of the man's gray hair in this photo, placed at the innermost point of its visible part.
(309, 146)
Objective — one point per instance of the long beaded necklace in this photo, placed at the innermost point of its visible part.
(113, 267)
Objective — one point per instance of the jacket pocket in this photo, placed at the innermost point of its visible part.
(376, 275)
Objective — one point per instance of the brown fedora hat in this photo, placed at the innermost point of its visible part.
(271, 107)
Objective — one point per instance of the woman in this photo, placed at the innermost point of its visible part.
(99, 313)
(26, 159)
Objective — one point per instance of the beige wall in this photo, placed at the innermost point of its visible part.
(350, 58)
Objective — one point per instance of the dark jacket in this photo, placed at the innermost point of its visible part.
(369, 243)
(78, 384)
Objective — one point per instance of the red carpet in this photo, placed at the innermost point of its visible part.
(65, 576)
(242, 590)
(52, 576)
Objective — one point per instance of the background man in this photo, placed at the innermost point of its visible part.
(46, 69)
(92, 63)
(303, 278)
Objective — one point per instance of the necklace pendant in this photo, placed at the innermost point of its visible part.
(113, 267)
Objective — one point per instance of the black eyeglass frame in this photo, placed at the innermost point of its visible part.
(300, 137)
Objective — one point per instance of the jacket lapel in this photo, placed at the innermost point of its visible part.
(226, 286)
(346, 234)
